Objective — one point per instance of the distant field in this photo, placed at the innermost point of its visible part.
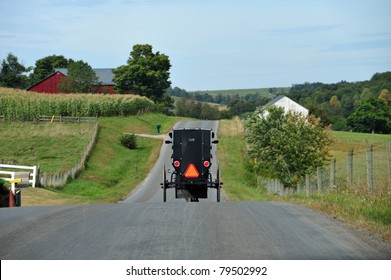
(267, 92)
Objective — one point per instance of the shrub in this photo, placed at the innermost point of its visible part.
(129, 141)
(286, 146)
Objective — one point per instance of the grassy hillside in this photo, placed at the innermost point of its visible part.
(112, 170)
(55, 146)
(242, 92)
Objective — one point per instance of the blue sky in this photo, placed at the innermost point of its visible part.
(215, 44)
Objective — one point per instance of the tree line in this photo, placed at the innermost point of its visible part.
(359, 106)
(220, 98)
(145, 73)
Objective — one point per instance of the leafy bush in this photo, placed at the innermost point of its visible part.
(286, 146)
(129, 141)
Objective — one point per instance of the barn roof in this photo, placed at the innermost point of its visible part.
(288, 105)
(275, 99)
(56, 71)
(105, 75)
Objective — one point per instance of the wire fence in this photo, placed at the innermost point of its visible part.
(367, 170)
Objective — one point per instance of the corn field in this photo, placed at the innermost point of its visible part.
(27, 106)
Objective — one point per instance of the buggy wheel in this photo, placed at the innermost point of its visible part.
(164, 184)
(218, 185)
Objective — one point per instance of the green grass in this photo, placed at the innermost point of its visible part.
(112, 170)
(54, 146)
(352, 205)
(346, 141)
(239, 182)
(368, 212)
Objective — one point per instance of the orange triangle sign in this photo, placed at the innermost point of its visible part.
(191, 171)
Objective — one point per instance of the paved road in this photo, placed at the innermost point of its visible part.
(143, 227)
(150, 191)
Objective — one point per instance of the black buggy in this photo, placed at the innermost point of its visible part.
(191, 160)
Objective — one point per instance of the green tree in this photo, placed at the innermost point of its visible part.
(238, 107)
(209, 112)
(146, 73)
(194, 109)
(367, 93)
(166, 104)
(318, 111)
(12, 73)
(371, 115)
(81, 78)
(286, 146)
(181, 108)
(46, 66)
(348, 104)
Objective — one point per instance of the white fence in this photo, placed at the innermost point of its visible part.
(12, 174)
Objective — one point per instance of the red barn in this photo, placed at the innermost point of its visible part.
(50, 83)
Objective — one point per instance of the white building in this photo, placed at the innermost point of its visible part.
(288, 105)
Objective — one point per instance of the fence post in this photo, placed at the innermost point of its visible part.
(35, 170)
(370, 167)
(332, 173)
(281, 188)
(319, 179)
(307, 184)
(350, 168)
(38, 175)
(389, 167)
(13, 184)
